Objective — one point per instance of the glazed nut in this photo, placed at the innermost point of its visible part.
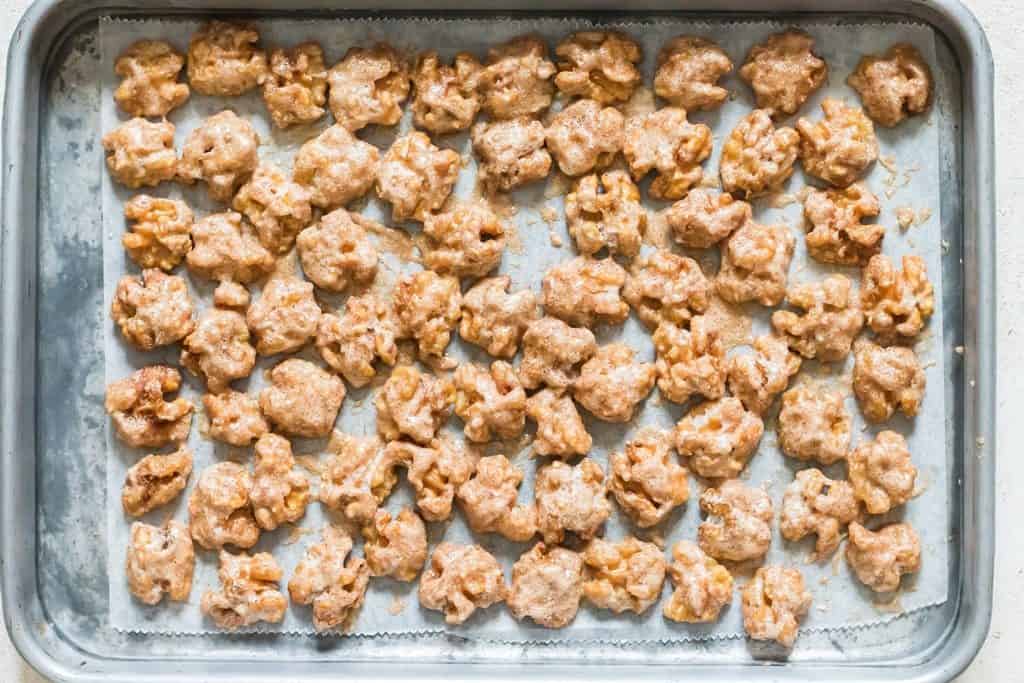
(689, 69)
(571, 498)
(887, 379)
(234, 418)
(494, 318)
(334, 586)
(893, 86)
(368, 86)
(435, 473)
(815, 504)
(488, 500)
(142, 414)
(645, 479)
(302, 399)
(336, 168)
(277, 207)
(226, 248)
(461, 579)
(813, 424)
(624, 576)
(739, 521)
(357, 476)
(719, 437)
(704, 218)
(295, 89)
(831, 319)
(222, 152)
(560, 429)
(880, 558)
(220, 510)
(219, 350)
(757, 378)
(702, 586)
(783, 71)
(153, 309)
(585, 136)
(516, 79)
(446, 98)
(280, 492)
(598, 65)
(689, 362)
(552, 351)
(149, 71)
(757, 157)
(160, 561)
(395, 547)
(510, 153)
(155, 480)
(839, 148)
(141, 153)
(285, 316)
(354, 341)
(612, 383)
(604, 213)
(755, 264)
(585, 292)
(663, 141)
(881, 472)
(160, 235)
(774, 602)
(223, 59)
(416, 177)
(466, 241)
(492, 402)
(896, 303)
(336, 252)
(836, 231)
(547, 585)
(413, 405)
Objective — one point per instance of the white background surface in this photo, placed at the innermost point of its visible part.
(1001, 19)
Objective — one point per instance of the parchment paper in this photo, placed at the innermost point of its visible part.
(908, 179)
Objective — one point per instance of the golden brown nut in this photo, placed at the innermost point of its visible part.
(226, 248)
(492, 402)
(783, 71)
(234, 418)
(547, 585)
(231, 295)
(703, 587)
(223, 59)
(153, 309)
(219, 509)
(571, 498)
(414, 405)
(612, 383)
(336, 167)
(510, 153)
(840, 147)
(280, 492)
(358, 476)
(689, 362)
(585, 137)
(149, 69)
(598, 65)
(140, 152)
(719, 437)
(814, 425)
(428, 307)
(893, 86)
(560, 430)
(881, 472)
(395, 547)
(335, 587)
(646, 481)
(465, 241)
(886, 380)
(277, 207)
(604, 212)
(495, 319)
(757, 157)
(368, 86)
(353, 342)
(160, 237)
(623, 576)
(155, 480)
(222, 152)
(689, 68)
(516, 80)
(488, 500)
(303, 399)
(551, 352)
(435, 473)
(774, 602)
(738, 525)
(755, 263)
(586, 292)
(896, 304)
(218, 350)
(461, 579)
(704, 218)
(141, 414)
(336, 252)
(416, 177)
(285, 316)
(665, 142)
(295, 90)
(757, 378)
(815, 504)
(880, 558)
(160, 560)
(831, 322)
(446, 98)
(836, 231)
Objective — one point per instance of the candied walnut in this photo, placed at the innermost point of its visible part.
(296, 86)
(757, 157)
(416, 177)
(277, 207)
(280, 492)
(757, 378)
(234, 418)
(585, 136)
(510, 153)
(302, 399)
(336, 167)
(428, 307)
(149, 69)
(783, 71)
(336, 252)
(840, 147)
(230, 294)
(219, 509)
(160, 560)
(665, 142)
(285, 316)
(492, 402)
(831, 321)
(160, 237)
(880, 558)
(624, 576)
(689, 362)
(353, 342)
(604, 212)
(893, 86)
(465, 241)
(323, 578)
(357, 476)
(249, 592)
(368, 86)
(719, 437)
(738, 525)
(218, 350)
(495, 319)
(598, 65)
(488, 500)
(702, 586)
(704, 218)
(445, 99)
(645, 480)
(886, 380)
(152, 309)
(815, 504)
(547, 585)
(689, 68)
(155, 480)
(142, 416)
(516, 80)
(413, 404)
(612, 383)
(551, 352)
(814, 425)
(461, 579)
(571, 498)
(140, 152)
(836, 231)
(226, 249)
(881, 472)
(896, 304)
(586, 291)
(222, 152)
(755, 263)
(774, 602)
(223, 59)
(395, 547)
(560, 430)
(434, 472)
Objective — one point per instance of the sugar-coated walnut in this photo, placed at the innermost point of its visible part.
(645, 479)
(547, 585)
(149, 71)
(665, 142)
(571, 498)
(234, 418)
(604, 212)
(560, 429)
(160, 560)
(612, 383)
(783, 71)
(893, 86)
(222, 152)
(586, 291)
(702, 586)
(689, 362)
(368, 86)
(598, 65)
(416, 177)
(814, 425)
(295, 90)
(160, 236)
(280, 492)
(219, 509)
(336, 167)
(223, 59)
(719, 437)
(155, 480)
(510, 153)
(689, 68)
(488, 500)
(492, 402)
(363, 335)
(141, 152)
(413, 404)
(218, 350)
(551, 352)
(494, 318)
(395, 547)
(303, 399)
(446, 98)
(461, 579)
(757, 378)
(277, 207)
(887, 379)
(585, 136)
(152, 309)
(285, 316)
(231, 295)
(357, 476)
(831, 321)
(774, 602)
(755, 264)
(880, 558)
(840, 147)
(815, 504)
(623, 576)
(141, 413)
(465, 241)
(881, 472)
(428, 307)
(896, 303)
(516, 80)
(757, 157)
(435, 473)
(226, 248)
(739, 522)
(336, 252)
(335, 587)
(836, 232)
(704, 218)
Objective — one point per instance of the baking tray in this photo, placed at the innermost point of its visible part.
(51, 473)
